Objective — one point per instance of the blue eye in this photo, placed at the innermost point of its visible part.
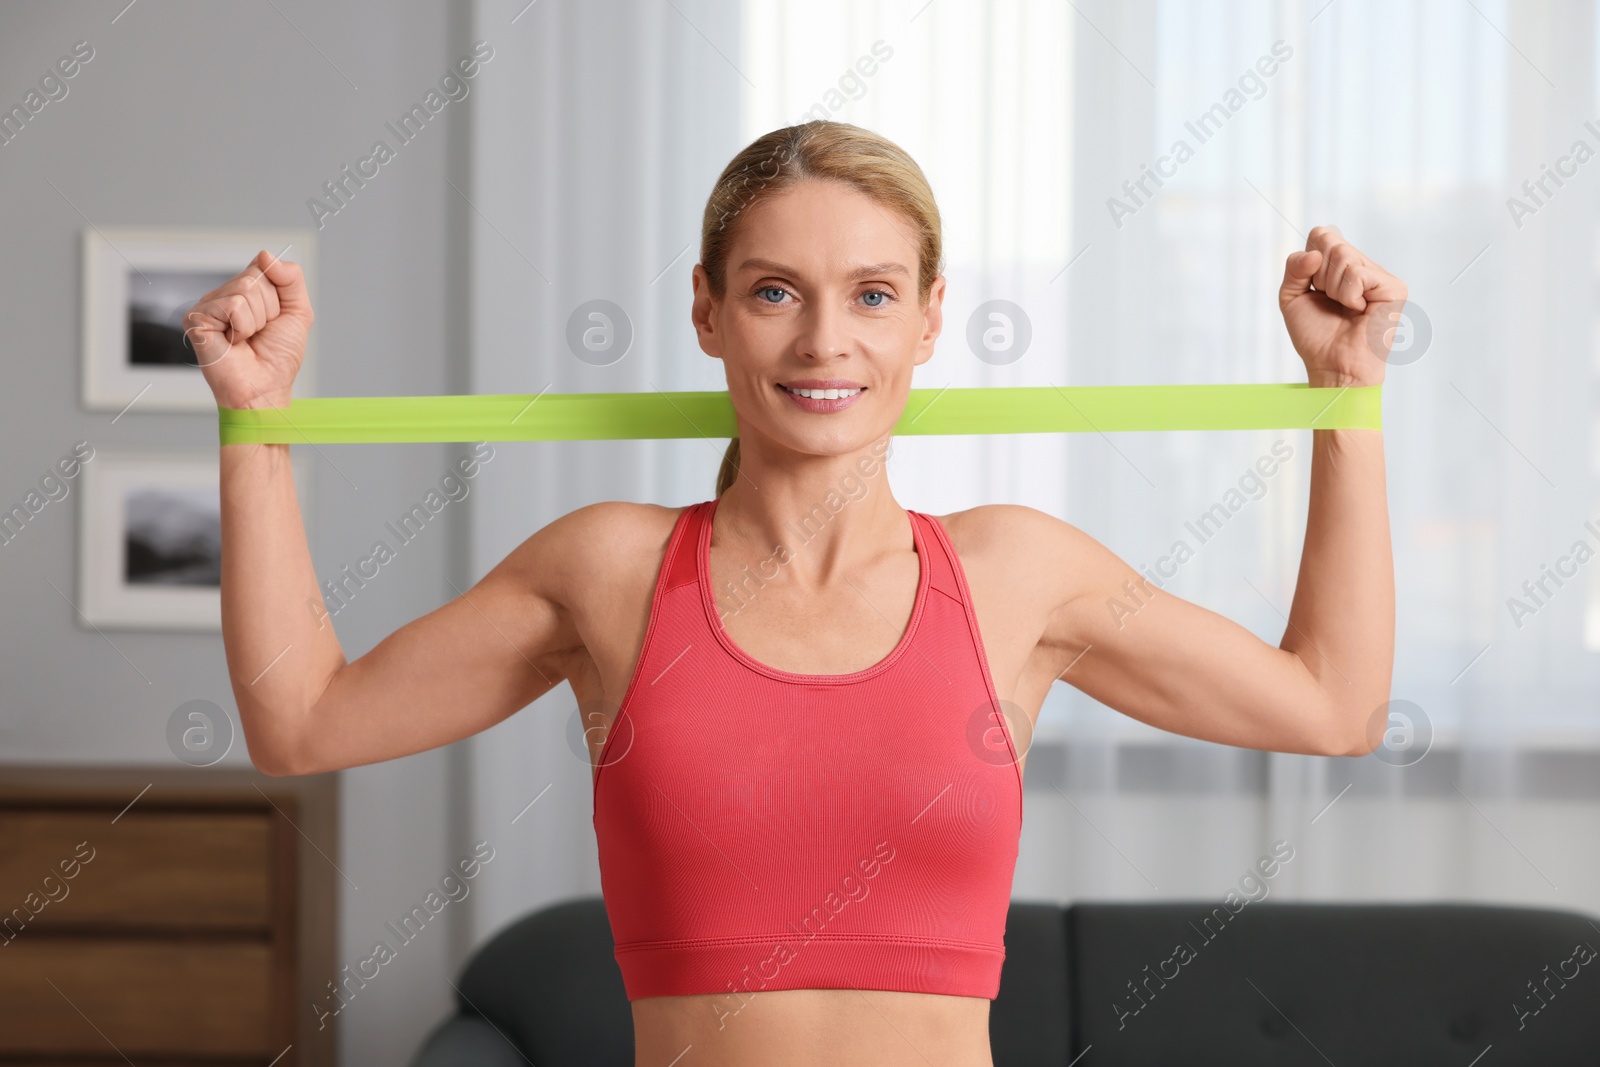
(772, 289)
(875, 292)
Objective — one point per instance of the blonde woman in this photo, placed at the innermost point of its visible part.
(808, 799)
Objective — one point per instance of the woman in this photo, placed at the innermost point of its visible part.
(812, 704)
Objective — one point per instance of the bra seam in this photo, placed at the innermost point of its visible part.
(977, 645)
(763, 939)
(680, 525)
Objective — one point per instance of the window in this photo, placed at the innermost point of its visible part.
(1039, 125)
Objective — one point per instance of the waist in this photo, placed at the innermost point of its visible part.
(840, 1027)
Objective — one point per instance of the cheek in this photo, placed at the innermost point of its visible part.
(756, 341)
(750, 356)
(895, 334)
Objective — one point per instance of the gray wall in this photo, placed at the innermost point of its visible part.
(225, 115)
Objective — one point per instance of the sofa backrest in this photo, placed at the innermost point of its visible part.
(1029, 1024)
(1313, 984)
(1171, 983)
(550, 983)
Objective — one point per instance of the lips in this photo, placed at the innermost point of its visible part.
(823, 392)
(823, 395)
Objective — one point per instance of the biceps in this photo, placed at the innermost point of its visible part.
(1183, 668)
(454, 672)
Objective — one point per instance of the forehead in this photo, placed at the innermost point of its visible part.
(823, 227)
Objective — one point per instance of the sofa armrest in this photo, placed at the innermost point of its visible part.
(467, 1041)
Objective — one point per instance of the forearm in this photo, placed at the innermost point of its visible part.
(280, 644)
(1342, 621)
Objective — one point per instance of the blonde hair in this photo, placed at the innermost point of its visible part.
(826, 150)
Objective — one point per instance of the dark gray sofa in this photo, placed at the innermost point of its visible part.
(1104, 985)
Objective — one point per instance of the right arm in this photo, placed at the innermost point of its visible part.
(447, 675)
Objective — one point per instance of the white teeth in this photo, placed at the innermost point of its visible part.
(824, 394)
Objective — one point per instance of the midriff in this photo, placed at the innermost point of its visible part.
(793, 1027)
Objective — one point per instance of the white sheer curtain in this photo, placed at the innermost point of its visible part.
(1406, 124)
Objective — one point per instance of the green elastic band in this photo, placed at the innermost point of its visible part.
(635, 416)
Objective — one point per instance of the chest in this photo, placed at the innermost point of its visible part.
(842, 625)
(765, 619)
(717, 759)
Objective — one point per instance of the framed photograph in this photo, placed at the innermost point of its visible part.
(150, 538)
(137, 285)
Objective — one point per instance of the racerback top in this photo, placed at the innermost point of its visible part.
(760, 829)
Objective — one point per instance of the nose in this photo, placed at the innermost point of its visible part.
(824, 332)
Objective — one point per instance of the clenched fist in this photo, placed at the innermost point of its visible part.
(249, 333)
(1344, 326)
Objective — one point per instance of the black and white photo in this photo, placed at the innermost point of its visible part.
(138, 283)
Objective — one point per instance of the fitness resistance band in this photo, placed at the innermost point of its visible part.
(636, 416)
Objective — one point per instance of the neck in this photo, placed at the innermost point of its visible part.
(828, 512)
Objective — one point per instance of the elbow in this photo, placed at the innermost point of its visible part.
(278, 738)
(279, 756)
(274, 764)
(1361, 747)
(1352, 735)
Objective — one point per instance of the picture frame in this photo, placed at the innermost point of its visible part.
(150, 538)
(138, 282)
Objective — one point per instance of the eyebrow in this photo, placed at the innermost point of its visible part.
(867, 271)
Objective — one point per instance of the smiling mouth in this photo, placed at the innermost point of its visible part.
(823, 394)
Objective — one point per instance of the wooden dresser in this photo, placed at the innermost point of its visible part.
(163, 917)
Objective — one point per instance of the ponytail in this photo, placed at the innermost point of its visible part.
(730, 467)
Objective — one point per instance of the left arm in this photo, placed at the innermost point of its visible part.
(1342, 622)
(1185, 669)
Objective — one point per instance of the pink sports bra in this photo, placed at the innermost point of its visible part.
(760, 829)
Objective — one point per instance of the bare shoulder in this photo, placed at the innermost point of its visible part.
(1026, 551)
(594, 544)
(614, 527)
(1008, 530)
